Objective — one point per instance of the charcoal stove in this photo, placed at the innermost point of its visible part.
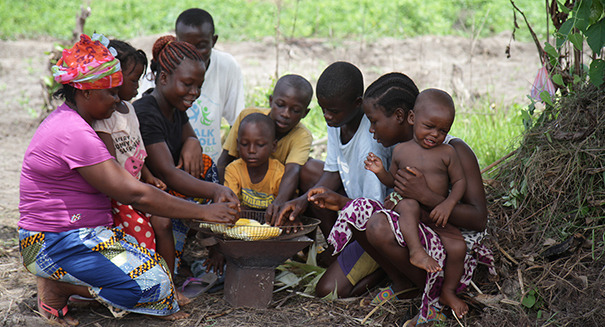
(251, 264)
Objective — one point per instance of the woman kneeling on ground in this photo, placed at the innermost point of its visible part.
(67, 180)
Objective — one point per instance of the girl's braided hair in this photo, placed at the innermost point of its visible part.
(392, 91)
(168, 53)
(128, 55)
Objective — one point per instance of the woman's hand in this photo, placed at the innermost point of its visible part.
(224, 194)
(191, 157)
(410, 183)
(226, 213)
(326, 199)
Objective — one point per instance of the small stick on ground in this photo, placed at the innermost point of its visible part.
(508, 256)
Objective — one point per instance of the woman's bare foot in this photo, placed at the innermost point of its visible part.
(422, 260)
(181, 299)
(51, 294)
(175, 316)
(450, 299)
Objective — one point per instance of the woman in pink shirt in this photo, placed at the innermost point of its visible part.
(67, 178)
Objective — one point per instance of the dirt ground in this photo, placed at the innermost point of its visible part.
(467, 68)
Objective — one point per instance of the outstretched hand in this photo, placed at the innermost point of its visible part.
(373, 163)
(326, 199)
(224, 194)
(226, 213)
(290, 211)
(272, 212)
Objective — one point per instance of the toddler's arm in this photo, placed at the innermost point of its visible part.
(374, 164)
(441, 213)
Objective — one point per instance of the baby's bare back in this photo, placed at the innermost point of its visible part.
(433, 163)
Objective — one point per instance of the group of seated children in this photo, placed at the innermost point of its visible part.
(267, 149)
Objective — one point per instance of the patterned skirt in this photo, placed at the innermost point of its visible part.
(119, 273)
(357, 212)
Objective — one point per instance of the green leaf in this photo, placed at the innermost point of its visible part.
(577, 40)
(552, 52)
(576, 79)
(595, 36)
(545, 96)
(583, 15)
(597, 72)
(563, 8)
(557, 79)
(596, 11)
(564, 32)
(529, 300)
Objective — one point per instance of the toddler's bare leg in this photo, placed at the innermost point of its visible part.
(454, 268)
(409, 217)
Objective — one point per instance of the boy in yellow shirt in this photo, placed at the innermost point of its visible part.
(289, 104)
(255, 177)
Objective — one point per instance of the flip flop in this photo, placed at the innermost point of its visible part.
(384, 294)
(54, 312)
(193, 286)
(81, 299)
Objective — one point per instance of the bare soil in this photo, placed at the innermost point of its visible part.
(468, 68)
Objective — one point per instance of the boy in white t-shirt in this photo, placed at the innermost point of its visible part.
(339, 94)
(223, 89)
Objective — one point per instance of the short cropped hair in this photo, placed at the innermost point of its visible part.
(341, 80)
(298, 82)
(437, 96)
(194, 17)
(258, 118)
(392, 91)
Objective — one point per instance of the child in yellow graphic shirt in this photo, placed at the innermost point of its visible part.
(254, 177)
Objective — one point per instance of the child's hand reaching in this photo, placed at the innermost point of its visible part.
(326, 199)
(156, 182)
(373, 163)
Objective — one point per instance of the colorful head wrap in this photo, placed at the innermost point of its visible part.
(89, 65)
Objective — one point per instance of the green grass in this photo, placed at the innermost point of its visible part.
(253, 19)
(487, 130)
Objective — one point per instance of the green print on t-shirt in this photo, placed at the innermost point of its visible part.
(205, 120)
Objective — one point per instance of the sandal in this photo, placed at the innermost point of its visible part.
(54, 312)
(434, 315)
(193, 286)
(384, 294)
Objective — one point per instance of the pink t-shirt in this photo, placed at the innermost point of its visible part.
(53, 195)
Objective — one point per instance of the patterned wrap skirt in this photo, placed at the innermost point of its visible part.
(119, 273)
(357, 212)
